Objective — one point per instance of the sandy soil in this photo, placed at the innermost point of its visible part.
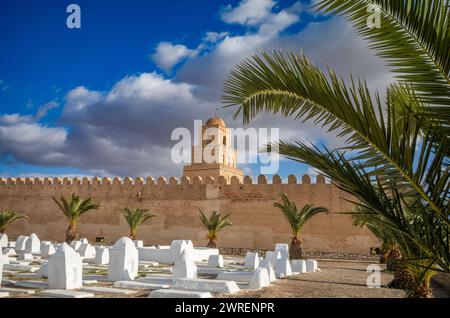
(337, 279)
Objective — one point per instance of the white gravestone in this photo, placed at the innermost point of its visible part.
(123, 260)
(10, 252)
(251, 260)
(298, 266)
(185, 266)
(138, 243)
(102, 256)
(283, 249)
(215, 261)
(75, 245)
(33, 244)
(47, 250)
(65, 269)
(178, 246)
(43, 270)
(21, 244)
(272, 256)
(3, 241)
(87, 251)
(3, 260)
(283, 268)
(260, 279)
(311, 266)
(84, 241)
(25, 257)
(267, 265)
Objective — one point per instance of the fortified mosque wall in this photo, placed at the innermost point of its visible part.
(257, 224)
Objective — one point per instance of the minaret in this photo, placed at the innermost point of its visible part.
(222, 159)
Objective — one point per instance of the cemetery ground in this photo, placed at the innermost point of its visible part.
(336, 279)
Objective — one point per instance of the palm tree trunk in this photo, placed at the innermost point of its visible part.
(132, 236)
(421, 290)
(402, 277)
(211, 244)
(296, 248)
(2, 230)
(71, 233)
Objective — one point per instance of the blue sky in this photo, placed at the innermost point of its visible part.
(102, 100)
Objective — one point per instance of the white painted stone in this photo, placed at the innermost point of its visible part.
(185, 266)
(75, 245)
(283, 249)
(238, 276)
(123, 260)
(25, 257)
(4, 294)
(260, 278)
(207, 285)
(251, 260)
(272, 256)
(33, 244)
(173, 293)
(17, 267)
(9, 251)
(47, 250)
(86, 251)
(12, 244)
(283, 268)
(62, 293)
(101, 256)
(215, 261)
(43, 271)
(84, 240)
(108, 290)
(21, 243)
(156, 279)
(65, 269)
(17, 290)
(139, 285)
(3, 241)
(268, 266)
(138, 243)
(34, 284)
(311, 265)
(178, 246)
(298, 266)
(3, 260)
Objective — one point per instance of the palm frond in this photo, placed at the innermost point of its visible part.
(414, 37)
(7, 217)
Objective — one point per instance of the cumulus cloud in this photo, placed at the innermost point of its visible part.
(248, 12)
(167, 55)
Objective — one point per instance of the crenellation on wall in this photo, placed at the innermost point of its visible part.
(257, 223)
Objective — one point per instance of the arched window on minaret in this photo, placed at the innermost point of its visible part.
(224, 140)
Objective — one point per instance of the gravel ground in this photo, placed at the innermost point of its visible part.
(337, 279)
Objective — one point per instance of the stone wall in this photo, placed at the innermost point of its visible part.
(257, 224)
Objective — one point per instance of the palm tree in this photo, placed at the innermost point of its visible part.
(8, 217)
(297, 218)
(214, 223)
(134, 218)
(73, 208)
(398, 145)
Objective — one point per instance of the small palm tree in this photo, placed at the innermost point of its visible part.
(8, 217)
(73, 208)
(134, 218)
(214, 224)
(296, 220)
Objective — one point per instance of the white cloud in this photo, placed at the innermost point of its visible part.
(167, 55)
(213, 37)
(248, 12)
